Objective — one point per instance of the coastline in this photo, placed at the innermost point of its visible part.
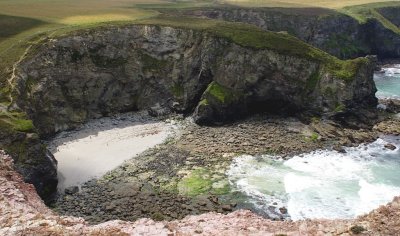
(193, 180)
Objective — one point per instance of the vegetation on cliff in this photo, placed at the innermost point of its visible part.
(365, 12)
(253, 37)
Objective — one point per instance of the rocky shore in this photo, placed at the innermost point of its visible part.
(186, 175)
(23, 213)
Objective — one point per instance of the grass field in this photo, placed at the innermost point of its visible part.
(333, 4)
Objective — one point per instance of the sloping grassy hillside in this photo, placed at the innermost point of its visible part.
(371, 11)
(300, 3)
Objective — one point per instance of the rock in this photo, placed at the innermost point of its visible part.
(392, 105)
(32, 160)
(214, 199)
(231, 140)
(339, 149)
(158, 110)
(391, 127)
(390, 146)
(71, 190)
(226, 207)
(283, 210)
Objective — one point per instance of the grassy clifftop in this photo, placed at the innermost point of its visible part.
(253, 37)
(371, 11)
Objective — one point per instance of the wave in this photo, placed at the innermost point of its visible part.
(320, 184)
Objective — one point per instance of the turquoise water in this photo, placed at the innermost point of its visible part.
(388, 82)
(321, 184)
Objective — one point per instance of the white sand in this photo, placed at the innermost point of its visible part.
(104, 144)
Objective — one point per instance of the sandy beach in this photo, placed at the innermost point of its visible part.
(103, 144)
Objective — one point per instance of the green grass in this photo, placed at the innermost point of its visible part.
(196, 183)
(200, 181)
(221, 93)
(178, 5)
(340, 108)
(363, 13)
(300, 3)
(13, 25)
(204, 102)
(16, 121)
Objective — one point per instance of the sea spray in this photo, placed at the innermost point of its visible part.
(388, 82)
(320, 184)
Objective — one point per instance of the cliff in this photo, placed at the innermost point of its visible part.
(221, 71)
(391, 13)
(329, 30)
(233, 69)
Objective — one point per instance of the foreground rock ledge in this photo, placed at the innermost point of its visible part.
(22, 212)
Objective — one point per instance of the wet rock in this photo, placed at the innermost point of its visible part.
(158, 110)
(71, 190)
(283, 210)
(390, 146)
(392, 105)
(339, 149)
(226, 207)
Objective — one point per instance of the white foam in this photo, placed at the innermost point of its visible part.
(388, 82)
(322, 184)
(391, 71)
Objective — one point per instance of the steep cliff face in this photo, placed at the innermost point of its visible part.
(31, 157)
(383, 41)
(331, 31)
(93, 74)
(103, 72)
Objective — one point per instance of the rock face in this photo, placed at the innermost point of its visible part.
(329, 30)
(32, 159)
(23, 213)
(96, 73)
